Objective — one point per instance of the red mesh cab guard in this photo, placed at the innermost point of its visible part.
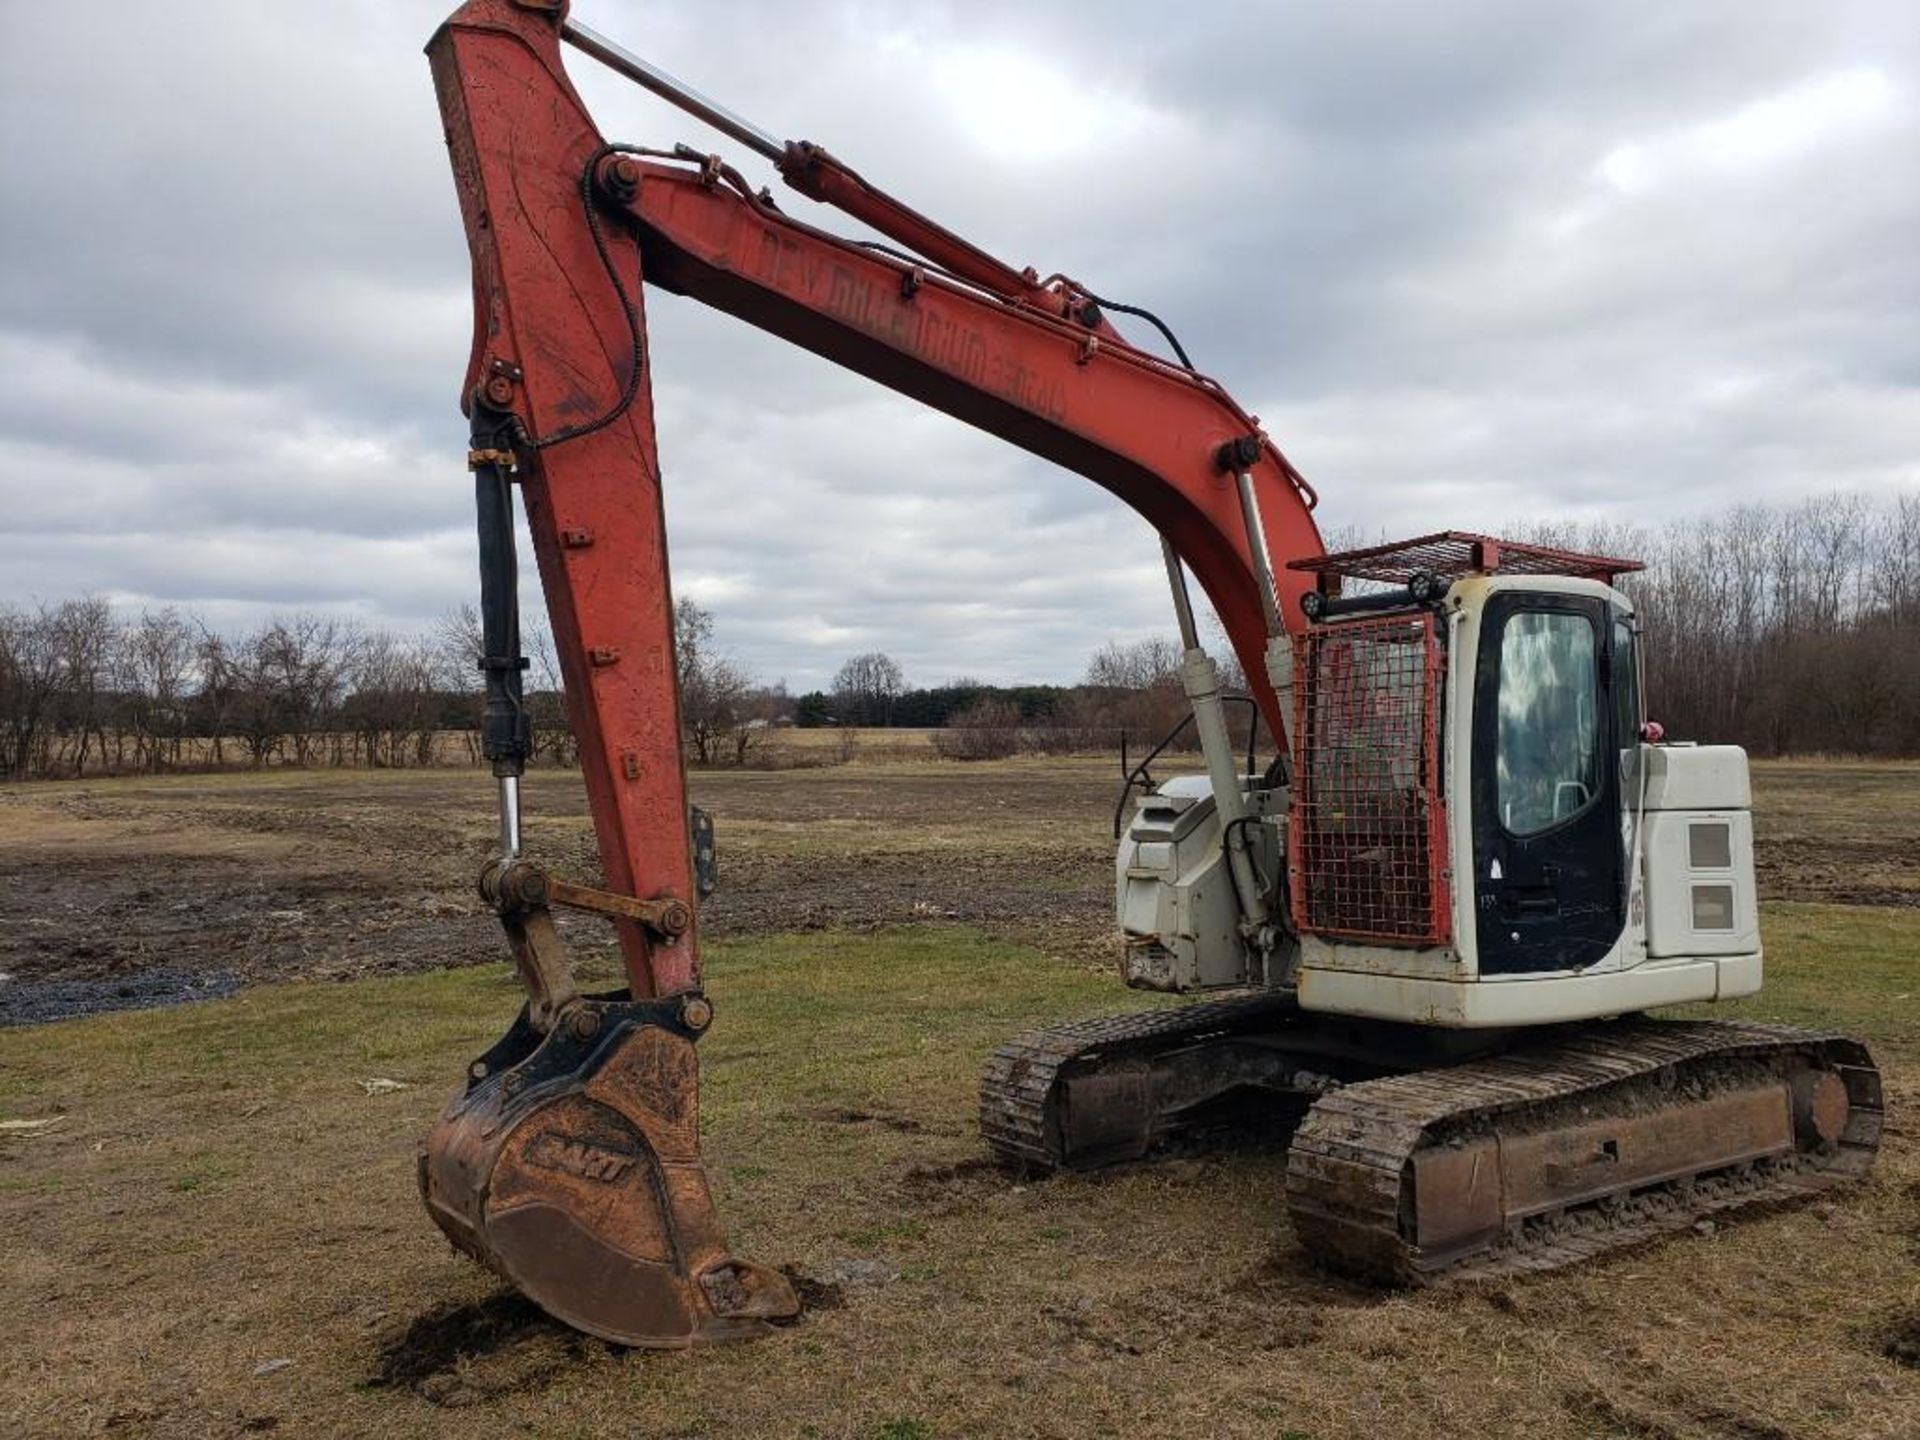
(1367, 835)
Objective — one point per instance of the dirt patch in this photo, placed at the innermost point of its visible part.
(976, 1171)
(846, 1115)
(29, 1002)
(814, 1293)
(1624, 1416)
(80, 933)
(1837, 870)
(1844, 832)
(148, 892)
(144, 892)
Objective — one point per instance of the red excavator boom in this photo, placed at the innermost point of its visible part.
(594, 1195)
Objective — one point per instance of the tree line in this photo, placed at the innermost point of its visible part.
(1797, 632)
(1787, 630)
(86, 688)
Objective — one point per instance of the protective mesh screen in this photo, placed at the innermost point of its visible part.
(1450, 554)
(1368, 820)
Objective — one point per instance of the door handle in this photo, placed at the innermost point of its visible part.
(1530, 902)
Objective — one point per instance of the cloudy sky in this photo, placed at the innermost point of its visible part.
(1472, 263)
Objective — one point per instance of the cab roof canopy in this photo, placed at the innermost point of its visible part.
(1449, 554)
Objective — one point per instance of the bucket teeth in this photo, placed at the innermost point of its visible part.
(570, 1164)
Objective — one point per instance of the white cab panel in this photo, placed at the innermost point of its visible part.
(1174, 892)
(1484, 1004)
(1700, 898)
(1698, 777)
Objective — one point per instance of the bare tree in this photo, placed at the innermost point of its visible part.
(457, 645)
(1141, 665)
(282, 684)
(1135, 689)
(393, 705)
(218, 698)
(252, 709)
(546, 700)
(985, 730)
(865, 688)
(1894, 557)
(714, 692)
(29, 688)
(761, 708)
(158, 661)
(86, 636)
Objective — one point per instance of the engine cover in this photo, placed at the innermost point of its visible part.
(1174, 889)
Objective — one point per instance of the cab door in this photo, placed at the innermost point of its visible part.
(1547, 854)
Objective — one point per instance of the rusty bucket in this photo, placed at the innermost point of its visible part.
(570, 1164)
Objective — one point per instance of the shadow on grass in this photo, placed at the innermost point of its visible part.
(456, 1353)
(1899, 1339)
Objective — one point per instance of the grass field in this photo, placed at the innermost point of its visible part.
(206, 1189)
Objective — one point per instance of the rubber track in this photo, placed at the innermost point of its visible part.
(1346, 1165)
(1019, 1079)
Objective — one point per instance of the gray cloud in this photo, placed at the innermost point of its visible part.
(1472, 264)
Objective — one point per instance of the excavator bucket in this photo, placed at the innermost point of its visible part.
(570, 1165)
(570, 1161)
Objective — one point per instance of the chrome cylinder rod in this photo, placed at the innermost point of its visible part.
(509, 817)
(650, 76)
(1257, 547)
(1182, 601)
(1200, 678)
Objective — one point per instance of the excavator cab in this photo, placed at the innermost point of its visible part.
(1477, 830)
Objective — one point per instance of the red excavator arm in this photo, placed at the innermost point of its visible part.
(564, 229)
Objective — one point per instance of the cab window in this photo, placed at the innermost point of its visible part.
(1626, 702)
(1547, 749)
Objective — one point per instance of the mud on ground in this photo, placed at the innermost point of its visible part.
(128, 893)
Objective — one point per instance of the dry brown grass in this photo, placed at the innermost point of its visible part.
(218, 1191)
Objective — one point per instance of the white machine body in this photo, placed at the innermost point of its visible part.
(1178, 908)
(1523, 857)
